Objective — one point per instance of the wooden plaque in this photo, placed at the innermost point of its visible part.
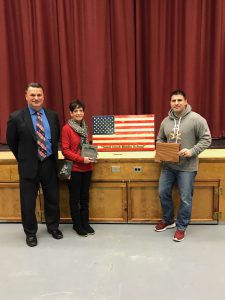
(167, 152)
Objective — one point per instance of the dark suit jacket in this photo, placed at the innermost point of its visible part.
(22, 141)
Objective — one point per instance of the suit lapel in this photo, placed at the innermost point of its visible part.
(28, 121)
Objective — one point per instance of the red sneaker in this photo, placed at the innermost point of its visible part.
(179, 235)
(161, 226)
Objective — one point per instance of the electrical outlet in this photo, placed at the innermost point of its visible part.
(137, 169)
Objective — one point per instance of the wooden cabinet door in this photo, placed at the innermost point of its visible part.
(64, 202)
(10, 203)
(144, 204)
(205, 205)
(108, 202)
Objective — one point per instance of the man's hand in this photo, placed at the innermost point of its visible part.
(185, 153)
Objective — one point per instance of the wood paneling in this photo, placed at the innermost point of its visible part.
(10, 202)
(108, 202)
(64, 202)
(125, 189)
(144, 203)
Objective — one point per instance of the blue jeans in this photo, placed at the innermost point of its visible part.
(185, 183)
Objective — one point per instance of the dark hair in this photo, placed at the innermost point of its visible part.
(76, 104)
(34, 85)
(178, 92)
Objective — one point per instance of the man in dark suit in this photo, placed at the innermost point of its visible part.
(32, 136)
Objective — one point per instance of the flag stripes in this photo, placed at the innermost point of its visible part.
(124, 133)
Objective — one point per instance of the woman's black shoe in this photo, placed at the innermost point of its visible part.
(80, 230)
(31, 240)
(89, 229)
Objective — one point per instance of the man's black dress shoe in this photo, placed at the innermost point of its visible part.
(56, 234)
(31, 240)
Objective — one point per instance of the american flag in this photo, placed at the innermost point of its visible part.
(124, 133)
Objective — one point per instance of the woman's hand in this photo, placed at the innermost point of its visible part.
(88, 160)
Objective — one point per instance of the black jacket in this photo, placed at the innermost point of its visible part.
(22, 141)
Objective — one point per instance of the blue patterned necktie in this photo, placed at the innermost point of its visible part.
(42, 150)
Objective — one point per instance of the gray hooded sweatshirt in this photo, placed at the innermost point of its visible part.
(191, 131)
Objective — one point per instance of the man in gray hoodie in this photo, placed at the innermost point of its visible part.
(190, 130)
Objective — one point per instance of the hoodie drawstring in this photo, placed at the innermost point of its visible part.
(176, 128)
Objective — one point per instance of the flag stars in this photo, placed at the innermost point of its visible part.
(103, 125)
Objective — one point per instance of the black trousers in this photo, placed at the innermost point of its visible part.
(79, 185)
(46, 177)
